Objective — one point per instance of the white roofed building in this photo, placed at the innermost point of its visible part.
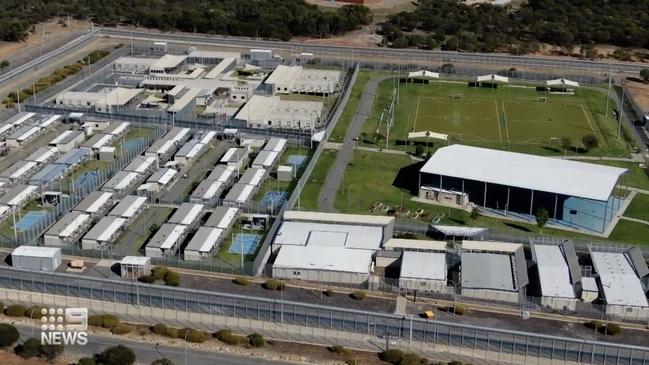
(190, 152)
(122, 183)
(96, 204)
(68, 229)
(166, 241)
(492, 79)
(560, 84)
(188, 214)
(19, 196)
(558, 273)
(204, 243)
(103, 233)
(273, 112)
(129, 207)
(576, 194)
(36, 258)
(222, 217)
(160, 180)
(208, 192)
(296, 79)
(107, 100)
(423, 271)
(236, 157)
(19, 172)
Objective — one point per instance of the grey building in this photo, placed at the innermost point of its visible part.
(67, 230)
(166, 241)
(96, 204)
(103, 234)
(129, 207)
(204, 243)
(188, 214)
(36, 258)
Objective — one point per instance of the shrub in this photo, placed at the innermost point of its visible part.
(590, 141)
(121, 329)
(393, 356)
(87, 361)
(256, 340)
(613, 329)
(328, 292)
(460, 309)
(15, 310)
(162, 362)
(171, 332)
(594, 324)
(227, 337)
(95, 320)
(30, 348)
(337, 349)
(8, 335)
(182, 332)
(240, 280)
(410, 359)
(172, 278)
(159, 329)
(197, 336)
(159, 272)
(109, 321)
(51, 352)
(34, 312)
(273, 284)
(147, 279)
(358, 295)
(117, 355)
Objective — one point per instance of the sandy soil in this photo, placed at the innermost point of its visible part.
(45, 34)
(9, 358)
(640, 94)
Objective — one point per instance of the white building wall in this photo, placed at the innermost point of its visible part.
(320, 275)
(424, 285)
(559, 303)
(496, 295)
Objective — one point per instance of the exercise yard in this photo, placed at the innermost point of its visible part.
(509, 116)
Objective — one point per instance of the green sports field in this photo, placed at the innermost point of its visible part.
(510, 116)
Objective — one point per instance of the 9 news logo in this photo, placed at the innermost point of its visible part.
(64, 326)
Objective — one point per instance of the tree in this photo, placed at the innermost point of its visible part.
(4, 64)
(644, 73)
(566, 143)
(28, 349)
(8, 335)
(542, 217)
(117, 355)
(51, 352)
(162, 362)
(590, 141)
(475, 213)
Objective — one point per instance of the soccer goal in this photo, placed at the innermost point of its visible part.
(457, 96)
(541, 99)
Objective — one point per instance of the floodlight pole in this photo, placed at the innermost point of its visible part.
(608, 92)
(619, 122)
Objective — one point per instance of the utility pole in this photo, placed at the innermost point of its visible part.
(619, 122)
(608, 93)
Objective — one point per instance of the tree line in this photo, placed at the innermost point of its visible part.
(454, 25)
(276, 19)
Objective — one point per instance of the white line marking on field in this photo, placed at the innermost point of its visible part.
(498, 121)
(587, 118)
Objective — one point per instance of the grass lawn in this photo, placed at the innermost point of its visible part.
(639, 207)
(630, 232)
(139, 232)
(311, 191)
(636, 177)
(348, 114)
(83, 169)
(507, 117)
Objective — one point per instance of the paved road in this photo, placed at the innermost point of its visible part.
(374, 53)
(334, 179)
(147, 352)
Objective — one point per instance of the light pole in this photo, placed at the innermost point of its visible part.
(186, 334)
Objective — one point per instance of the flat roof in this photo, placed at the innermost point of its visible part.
(128, 206)
(49, 120)
(554, 274)
(240, 193)
(459, 231)
(266, 158)
(93, 202)
(301, 215)
(49, 173)
(121, 180)
(18, 194)
(553, 175)
(68, 224)
(205, 239)
(222, 217)
(253, 176)
(487, 271)
(207, 137)
(330, 235)
(168, 61)
(18, 169)
(99, 140)
(208, 189)
(36, 251)
(275, 144)
(187, 214)
(167, 236)
(619, 281)
(423, 265)
(105, 229)
(324, 258)
(422, 245)
(135, 260)
(66, 137)
(233, 154)
(24, 133)
(140, 164)
(42, 154)
(490, 246)
(116, 128)
(191, 149)
(162, 176)
(20, 118)
(222, 173)
(73, 157)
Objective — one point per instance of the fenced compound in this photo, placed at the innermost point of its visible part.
(141, 299)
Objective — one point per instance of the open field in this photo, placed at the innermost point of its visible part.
(509, 117)
(639, 207)
(311, 191)
(630, 232)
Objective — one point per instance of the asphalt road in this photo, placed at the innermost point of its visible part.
(377, 53)
(147, 352)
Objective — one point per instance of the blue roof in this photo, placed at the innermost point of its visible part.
(49, 173)
(73, 157)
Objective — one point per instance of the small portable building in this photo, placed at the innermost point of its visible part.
(67, 230)
(188, 214)
(266, 160)
(162, 178)
(236, 157)
(103, 234)
(141, 165)
(19, 196)
(224, 174)
(276, 144)
(323, 264)
(42, 155)
(240, 195)
(129, 207)
(208, 192)
(190, 152)
(133, 267)
(97, 203)
(222, 217)
(204, 243)
(166, 241)
(285, 173)
(122, 183)
(68, 140)
(18, 172)
(254, 176)
(425, 271)
(36, 258)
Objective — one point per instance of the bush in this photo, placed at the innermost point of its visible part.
(162, 362)
(358, 295)
(147, 279)
(95, 320)
(171, 332)
(410, 359)
(159, 329)
(337, 349)
(117, 355)
(613, 329)
(172, 278)
(240, 280)
(109, 321)
(227, 337)
(393, 356)
(87, 361)
(15, 310)
(159, 272)
(121, 329)
(328, 292)
(30, 348)
(8, 335)
(594, 324)
(34, 312)
(273, 284)
(256, 340)
(590, 141)
(460, 309)
(196, 336)
(51, 352)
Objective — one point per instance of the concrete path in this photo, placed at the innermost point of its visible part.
(635, 157)
(335, 176)
(634, 220)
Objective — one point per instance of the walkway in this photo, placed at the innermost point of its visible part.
(343, 157)
(635, 157)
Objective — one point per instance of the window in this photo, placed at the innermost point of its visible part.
(573, 211)
(297, 273)
(270, 122)
(234, 96)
